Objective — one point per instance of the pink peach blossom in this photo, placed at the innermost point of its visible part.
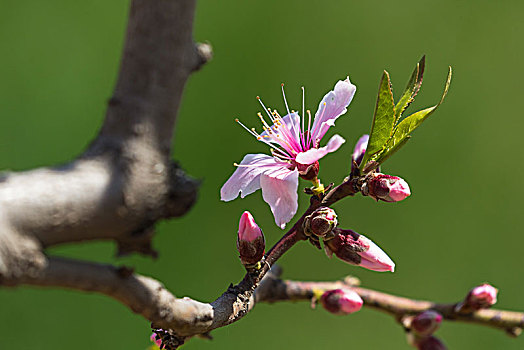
(295, 151)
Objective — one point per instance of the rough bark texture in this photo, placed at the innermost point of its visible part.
(125, 181)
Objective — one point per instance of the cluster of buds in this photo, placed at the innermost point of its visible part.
(341, 301)
(480, 297)
(421, 328)
(347, 245)
(321, 225)
(251, 243)
(357, 249)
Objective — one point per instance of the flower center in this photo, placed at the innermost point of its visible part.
(287, 136)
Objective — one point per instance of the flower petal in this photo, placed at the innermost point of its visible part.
(246, 178)
(360, 148)
(336, 102)
(292, 121)
(279, 190)
(286, 135)
(375, 258)
(314, 154)
(289, 120)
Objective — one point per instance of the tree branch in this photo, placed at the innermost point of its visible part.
(273, 290)
(143, 295)
(125, 181)
(187, 317)
(149, 297)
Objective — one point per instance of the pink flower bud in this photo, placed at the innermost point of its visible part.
(341, 301)
(357, 249)
(386, 188)
(154, 339)
(360, 149)
(321, 222)
(426, 323)
(250, 242)
(481, 297)
(430, 343)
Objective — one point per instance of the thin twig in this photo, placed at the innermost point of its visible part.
(187, 317)
(273, 290)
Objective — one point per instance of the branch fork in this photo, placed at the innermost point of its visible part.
(125, 182)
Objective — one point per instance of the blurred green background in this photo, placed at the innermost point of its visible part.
(462, 226)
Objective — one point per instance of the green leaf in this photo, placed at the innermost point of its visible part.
(412, 88)
(390, 151)
(403, 130)
(383, 120)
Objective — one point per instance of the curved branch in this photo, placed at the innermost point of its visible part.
(143, 295)
(125, 182)
(150, 298)
(187, 317)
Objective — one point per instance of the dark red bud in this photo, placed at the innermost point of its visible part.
(385, 187)
(341, 301)
(357, 249)
(430, 343)
(251, 243)
(480, 297)
(321, 222)
(308, 171)
(251, 252)
(426, 323)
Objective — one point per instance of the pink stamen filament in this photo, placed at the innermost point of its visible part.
(290, 150)
(273, 135)
(308, 136)
(284, 143)
(303, 117)
(289, 113)
(287, 140)
(287, 134)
